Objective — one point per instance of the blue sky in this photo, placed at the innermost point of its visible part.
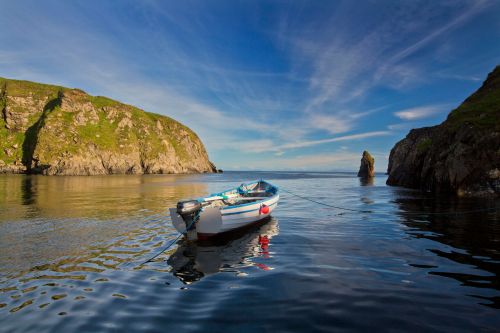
(269, 85)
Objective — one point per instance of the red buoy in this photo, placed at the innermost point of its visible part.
(263, 240)
(264, 209)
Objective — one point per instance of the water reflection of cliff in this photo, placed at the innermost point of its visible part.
(474, 237)
(24, 196)
(191, 261)
(75, 212)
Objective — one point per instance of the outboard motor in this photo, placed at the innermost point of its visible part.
(189, 211)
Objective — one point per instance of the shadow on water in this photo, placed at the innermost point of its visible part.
(193, 261)
(28, 193)
(477, 234)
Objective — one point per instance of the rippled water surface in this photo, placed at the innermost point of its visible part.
(71, 250)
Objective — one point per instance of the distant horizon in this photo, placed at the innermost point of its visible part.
(306, 171)
(265, 85)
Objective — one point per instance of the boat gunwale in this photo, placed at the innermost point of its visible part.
(246, 204)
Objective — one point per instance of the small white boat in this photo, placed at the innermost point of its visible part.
(226, 211)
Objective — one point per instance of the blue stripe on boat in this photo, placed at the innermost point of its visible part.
(247, 211)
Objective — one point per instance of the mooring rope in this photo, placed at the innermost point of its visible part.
(325, 204)
(480, 210)
(195, 218)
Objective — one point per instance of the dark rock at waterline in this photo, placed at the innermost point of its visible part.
(367, 167)
(214, 168)
(461, 155)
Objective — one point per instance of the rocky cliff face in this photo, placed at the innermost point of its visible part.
(59, 131)
(461, 155)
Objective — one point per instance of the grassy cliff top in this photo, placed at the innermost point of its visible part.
(482, 108)
(52, 121)
(23, 88)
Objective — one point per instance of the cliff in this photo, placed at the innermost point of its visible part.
(60, 131)
(461, 155)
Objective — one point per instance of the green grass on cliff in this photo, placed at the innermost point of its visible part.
(171, 126)
(102, 133)
(9, 139)
(424, 145)
(54, 132)
(101, 101)
(481, 109)
(7, 143)
(107, 135)
(26, 88)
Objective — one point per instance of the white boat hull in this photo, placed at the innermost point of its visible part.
(216, 220)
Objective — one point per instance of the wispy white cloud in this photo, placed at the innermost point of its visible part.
(310, 143)
(471, 10)
(336, 139)
(459, 77)
(102, 69)
(340, 121)
(176, 59)
(333, 124)
(330, 161)
(400, 127)
(345, 64)
(421, 112)
(342, 160)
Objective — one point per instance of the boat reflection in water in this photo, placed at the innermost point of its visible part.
(192, 261)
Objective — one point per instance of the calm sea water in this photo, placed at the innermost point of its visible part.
(71, 250)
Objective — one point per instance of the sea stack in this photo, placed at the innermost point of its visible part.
(461, 155)
(367, 167)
